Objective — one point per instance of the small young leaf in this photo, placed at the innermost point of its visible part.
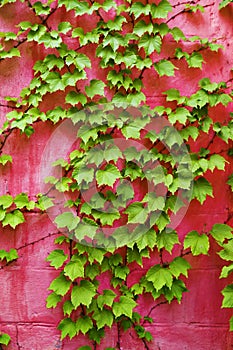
(57, 258)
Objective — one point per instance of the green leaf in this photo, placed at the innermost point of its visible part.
(201, 188)
(96, 87)
(106, 298)
(180, 114)
(160, 277)
(5, 158)
(60, 285)
(217, 161)
(4, 339)
(108, 176)
(220, 232)
(136, 213)
(84, 324)
(75, 267)
(138, 9)
(199, 244)
(161, 10)
(85, 347)
(179, 266)
(103, 318)
(176, 291)
(107, 218)
(68, 307)
(142, 27)
(67, 219)
(227, 292)
(64, 27)
(174, 95)
(83, 293)
(52, 300)
(230, 181)
(167, 239)
(57, 258)
(74, 98)
(231, 324)
(13, 219)
(226, 271)
(195, 60)
(224, 3)
(67, 327)
(150, 43)
(125, 307)
(165, 67)
(227, 252)
(6, 201)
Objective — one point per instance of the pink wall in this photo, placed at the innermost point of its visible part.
(198, 323)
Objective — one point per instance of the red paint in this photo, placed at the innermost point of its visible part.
(198, 323)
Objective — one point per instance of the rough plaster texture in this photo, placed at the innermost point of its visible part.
(198, 323)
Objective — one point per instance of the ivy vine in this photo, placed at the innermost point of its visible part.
(123, 144)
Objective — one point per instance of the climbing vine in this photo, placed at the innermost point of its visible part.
(132, 167)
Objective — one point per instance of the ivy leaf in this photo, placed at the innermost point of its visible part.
(160, 277)
(199, 244)
(21, 201)
(227, 292)
(68, 307)
(195, 60)
(180, 114)
(226, 271)
(125, 307)
(103, 318)
(217, 161)
(179, 266)
(64, 27)
(108, 176)
(138, 9)
(220, 232)
(161, 10)
(67, 327)
(224, 3)
(5, 158)
(107, 218)
(74, 98)
(165, 67)
(4, 339)
(150, 43)
(6, 201)
(227, 252)
(106, 298)
(83, 294)
(81, 61)
(67, 219)
(230, 181)
(142, 27)
(57, 258)
(177, 289)
(84, 324)
(147, 239)
(84, 174)
(85, 347)
(75, 268)
(174, 95)
(136, 213)
(96, 87)
(60, 285)
(201, 188)
(167, 240)
(52, 300)
(13, 219)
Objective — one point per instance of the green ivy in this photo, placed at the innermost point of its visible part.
(125, 47)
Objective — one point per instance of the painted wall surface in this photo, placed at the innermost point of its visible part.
(198, 323)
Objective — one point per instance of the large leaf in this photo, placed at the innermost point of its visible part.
(83, 293)
(199, 244)
(160, 277)
(124, 306)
